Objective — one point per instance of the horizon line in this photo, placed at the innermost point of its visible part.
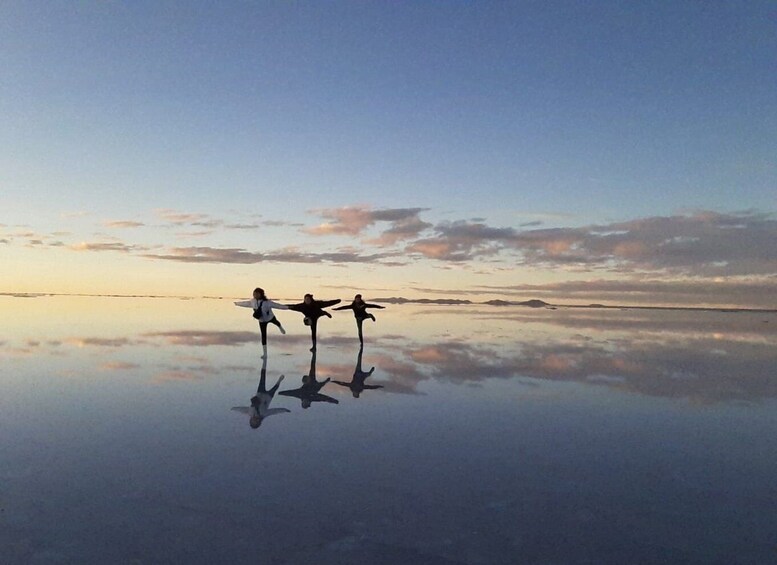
(497, 303)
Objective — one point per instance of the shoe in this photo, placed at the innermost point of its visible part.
(283, 331)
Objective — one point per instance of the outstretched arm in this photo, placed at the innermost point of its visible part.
(245, 303)
(374, 306)
(328, 303)
(341, 383)
(277, 305)
(295, 307)
(346, 307)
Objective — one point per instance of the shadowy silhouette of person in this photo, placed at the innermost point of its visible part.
(359, 308)
(263, 312)
(357, 385)
(260, 403)
(309, 392)
(313, 309)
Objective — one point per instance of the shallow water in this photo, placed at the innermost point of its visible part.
(500, 435)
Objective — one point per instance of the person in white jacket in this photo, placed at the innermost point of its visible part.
(263, 307)
(260, 403)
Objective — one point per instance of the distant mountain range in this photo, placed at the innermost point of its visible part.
(455, 301)
(536, 303)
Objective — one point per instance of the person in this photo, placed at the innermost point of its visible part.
(309, 392)
(263, 312)
(357, 385)
(260, 402)
(359, 308)
(313, 309)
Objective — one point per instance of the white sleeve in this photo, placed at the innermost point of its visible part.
(277, 306)
(245, 303)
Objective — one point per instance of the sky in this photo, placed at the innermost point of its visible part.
(611, 152)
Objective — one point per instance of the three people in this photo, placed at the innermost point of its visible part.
(311, 308)
(310, 391)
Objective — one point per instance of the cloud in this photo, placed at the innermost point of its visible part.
(252, 226)
(703, 370)
(177, 218)
(118, 366)
(106, 246)
(280, 223)
(206, 338)
(702, 243)
(122, 224)
(201, 233)
(173, 375)
(242, 256)
(99, 341)
(353, 220)
(463, 241)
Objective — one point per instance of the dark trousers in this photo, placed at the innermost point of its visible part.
(263, 328)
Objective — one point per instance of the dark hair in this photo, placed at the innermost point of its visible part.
(359, 296)
(260, 291)
(310, 295)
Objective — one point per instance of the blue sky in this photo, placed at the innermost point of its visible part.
(513, 112)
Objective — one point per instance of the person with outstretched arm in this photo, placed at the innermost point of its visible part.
(260, 403)
(359, 308)
(263, 312)
(310, 391)
(357, 385)
(313, 309)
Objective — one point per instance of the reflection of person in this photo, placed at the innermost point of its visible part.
(260, 403)
(359, 308)
(309, 391)
(263, 312)
(313, 310)
(357, 385)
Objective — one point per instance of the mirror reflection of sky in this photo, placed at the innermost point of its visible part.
(484, 435)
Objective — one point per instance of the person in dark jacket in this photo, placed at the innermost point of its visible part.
(359, 308)
(310, 391)
(357, 385)
(313, 309)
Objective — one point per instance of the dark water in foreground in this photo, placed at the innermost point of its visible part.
(499, 436)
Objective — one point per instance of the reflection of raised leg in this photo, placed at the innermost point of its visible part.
(275, 388)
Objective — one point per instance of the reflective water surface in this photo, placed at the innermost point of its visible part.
(149, 430)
